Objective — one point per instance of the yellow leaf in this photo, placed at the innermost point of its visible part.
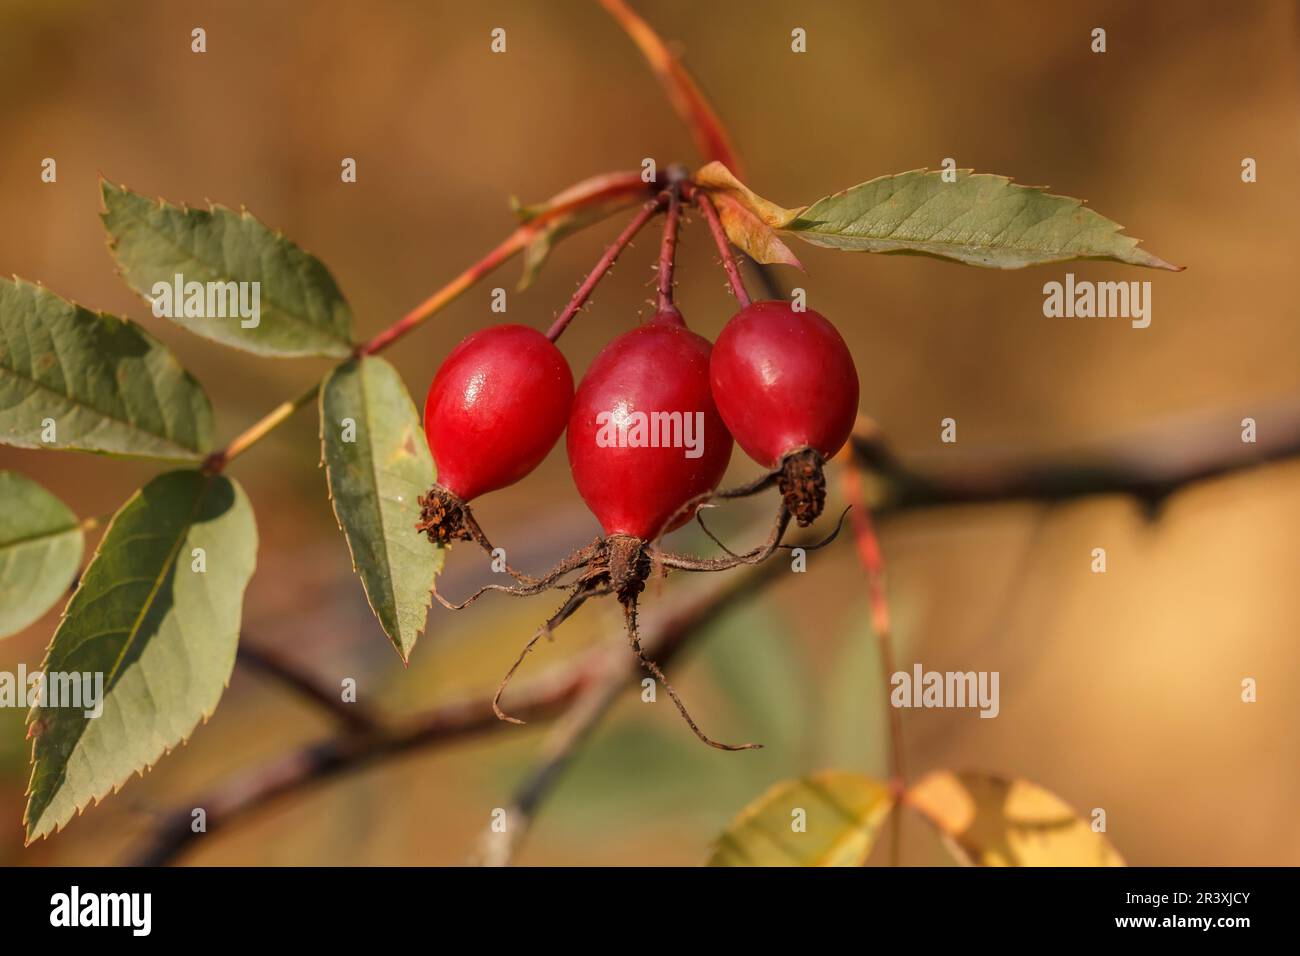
(750, 220)
(718, 180)
(826, 819)
(994, 821)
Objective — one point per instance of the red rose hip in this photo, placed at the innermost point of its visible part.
(495, 408)
(644, 435)
(783, 381)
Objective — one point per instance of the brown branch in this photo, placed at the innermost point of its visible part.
(272, 663)
(557, 751)
(1150, 465)
(543, 697)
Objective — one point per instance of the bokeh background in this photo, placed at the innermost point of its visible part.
(1119, 691)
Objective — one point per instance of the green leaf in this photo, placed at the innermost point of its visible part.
(978, 219)
(40, 549)
(301, 310)
(160, 628)
(987, 820)
(826, 819)
(106, 384)
(378, 464)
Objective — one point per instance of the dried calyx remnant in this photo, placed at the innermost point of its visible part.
(444, 517)
(800, 478)
(803, 486)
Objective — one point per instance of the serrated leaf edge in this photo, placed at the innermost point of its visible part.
(346, 345)
(192, 454)
(329, 486)
(1119, 229)
(29, 838)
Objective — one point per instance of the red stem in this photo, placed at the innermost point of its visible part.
(668, 252)
(724, 247)
(873, 563)
(512, 244)
(710, 136)
(603, 265)
(609, 187)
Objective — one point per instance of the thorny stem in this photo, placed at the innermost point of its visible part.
(668, 250)
(604, 264)
(448, 293)
(591, 192)
(705, 204)
(873, 563)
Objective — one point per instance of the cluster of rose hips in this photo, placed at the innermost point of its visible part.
(780, 382)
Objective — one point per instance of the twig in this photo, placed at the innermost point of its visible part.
(589, 686)
(552, 693)
(603, 265)
(267, 661)
(724, 247)
(711, 137)
(1150, 465)
(668, 250)
(589, 192)
(557, 751)
(545, 696)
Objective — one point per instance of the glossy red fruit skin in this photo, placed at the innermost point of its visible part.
(496, 407)
(660, 366)
(784, 380)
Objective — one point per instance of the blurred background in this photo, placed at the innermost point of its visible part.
(1118, 690)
